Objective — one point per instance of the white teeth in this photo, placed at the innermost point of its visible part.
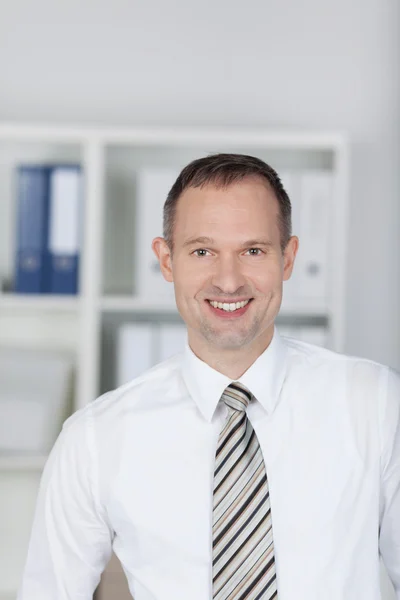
(229, 307)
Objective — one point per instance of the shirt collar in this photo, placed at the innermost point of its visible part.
(263, 378)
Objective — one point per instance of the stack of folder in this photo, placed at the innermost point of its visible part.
(311, 195)
(140, 346)
(49, 222)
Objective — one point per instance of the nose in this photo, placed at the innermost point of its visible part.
(228, 275)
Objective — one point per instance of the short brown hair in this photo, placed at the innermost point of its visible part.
(222, 170)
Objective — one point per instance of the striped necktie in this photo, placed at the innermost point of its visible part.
(243, 548)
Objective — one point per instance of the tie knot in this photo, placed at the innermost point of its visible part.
(237, 396)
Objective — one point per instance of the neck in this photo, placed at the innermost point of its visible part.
(230, 362)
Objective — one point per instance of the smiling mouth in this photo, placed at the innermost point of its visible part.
(232, 308)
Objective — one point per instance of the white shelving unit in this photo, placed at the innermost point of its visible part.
(22, 463)
(110, 156)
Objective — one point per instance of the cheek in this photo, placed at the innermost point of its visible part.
(188, 278)
(268, 276)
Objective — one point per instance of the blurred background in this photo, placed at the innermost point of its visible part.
(95, 100)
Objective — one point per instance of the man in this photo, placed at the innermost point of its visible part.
(250, 466)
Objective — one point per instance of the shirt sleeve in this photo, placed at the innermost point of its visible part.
(71, 540)
(389, 530)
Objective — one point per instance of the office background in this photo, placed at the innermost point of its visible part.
(308, 64)
(264, 63)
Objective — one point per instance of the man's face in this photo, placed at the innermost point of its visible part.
(240, 260)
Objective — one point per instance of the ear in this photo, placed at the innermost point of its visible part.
(163, 253)
(289, 257)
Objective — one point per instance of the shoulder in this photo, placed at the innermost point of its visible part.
(111, 406)
(370, 389)
(336, 366)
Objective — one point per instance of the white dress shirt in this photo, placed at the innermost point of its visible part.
(133, 471)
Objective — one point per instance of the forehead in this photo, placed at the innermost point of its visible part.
(247, 203)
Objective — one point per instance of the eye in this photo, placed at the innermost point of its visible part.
(259, 250)
(204, 251)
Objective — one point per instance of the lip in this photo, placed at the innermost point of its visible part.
(228, 301)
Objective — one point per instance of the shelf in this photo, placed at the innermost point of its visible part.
(44, 302)
(131, 304)
(22, 463)
(86, 326)
(119, 304)
(175, 136)
(303, 308)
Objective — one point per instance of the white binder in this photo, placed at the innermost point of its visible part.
(313, 268)
(135, 354)
(171, 340)
(317, 335)
(153, 185)
(65, 228)
(291, 182)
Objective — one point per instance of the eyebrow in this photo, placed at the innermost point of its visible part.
(209, 240)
